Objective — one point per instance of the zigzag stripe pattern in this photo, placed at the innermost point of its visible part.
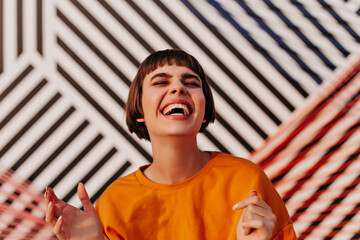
(284, 74)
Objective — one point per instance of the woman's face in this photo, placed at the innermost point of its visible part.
(173, 101)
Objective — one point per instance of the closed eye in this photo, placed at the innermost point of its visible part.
(193, 84)
(159, 83)
(191, 79)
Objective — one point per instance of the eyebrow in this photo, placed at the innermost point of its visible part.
(183, 76)
(165, 75)
(189, 75)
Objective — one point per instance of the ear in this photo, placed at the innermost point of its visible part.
(140, 120)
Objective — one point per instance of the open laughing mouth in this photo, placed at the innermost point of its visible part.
(177, 109)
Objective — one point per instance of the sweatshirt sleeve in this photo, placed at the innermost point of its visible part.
(283, 228)
(108, 213)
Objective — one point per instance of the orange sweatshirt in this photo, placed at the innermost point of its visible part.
(133, 207)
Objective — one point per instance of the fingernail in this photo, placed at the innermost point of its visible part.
(253, 192)
(235, 206)
(50, 204)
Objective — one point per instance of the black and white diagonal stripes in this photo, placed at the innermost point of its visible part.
(66, 67)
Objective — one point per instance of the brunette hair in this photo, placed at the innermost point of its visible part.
(153, 61)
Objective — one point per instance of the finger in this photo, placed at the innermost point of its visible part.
(255, 217)
(260, 224)
(46, 197)
(247, 229)
(252, 213)
(58, 204)
(247, 214)
(255, 200)
(51, 195)
(58, 228)
(252, 193)
(254, 210)
(249, 211)
(251, 200)
(240, 204)
(50, 217)
(84, 198)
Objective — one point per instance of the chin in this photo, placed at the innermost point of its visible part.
(180, 132)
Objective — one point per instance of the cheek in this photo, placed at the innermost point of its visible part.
(200, 100)
(145, 101)
(149, 101)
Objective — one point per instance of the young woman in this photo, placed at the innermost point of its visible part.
(185, 193)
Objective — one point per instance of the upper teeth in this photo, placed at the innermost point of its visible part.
(168, 109)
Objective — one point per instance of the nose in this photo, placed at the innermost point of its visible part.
(178, 89)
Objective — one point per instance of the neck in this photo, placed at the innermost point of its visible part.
(175, 159)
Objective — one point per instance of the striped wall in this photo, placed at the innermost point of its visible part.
(284, 74)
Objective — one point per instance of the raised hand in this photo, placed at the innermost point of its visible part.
(257, 220)
(70, 223)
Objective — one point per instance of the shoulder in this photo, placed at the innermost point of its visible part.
(117, 188)
(113, 205)
(238, 169)
(234, 163)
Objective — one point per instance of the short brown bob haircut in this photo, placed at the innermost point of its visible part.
(153, 61)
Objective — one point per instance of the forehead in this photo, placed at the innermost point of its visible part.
(172, 70)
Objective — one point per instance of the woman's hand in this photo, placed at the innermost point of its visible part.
(70, 223)
(257, 220)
